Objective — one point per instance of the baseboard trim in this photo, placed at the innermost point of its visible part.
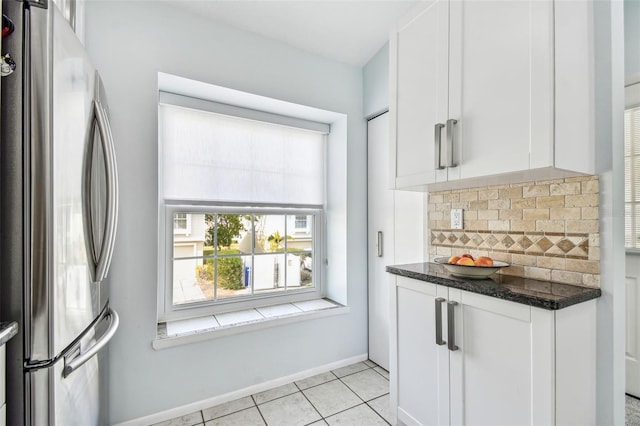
(240, 393)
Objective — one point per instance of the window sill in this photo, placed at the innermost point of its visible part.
(176, 333)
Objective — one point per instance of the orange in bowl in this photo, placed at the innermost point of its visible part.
(465, 261)
(483, 261)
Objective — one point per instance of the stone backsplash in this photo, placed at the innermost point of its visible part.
(547, 230)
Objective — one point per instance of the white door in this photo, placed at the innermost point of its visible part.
(395, 235)
(380, 235)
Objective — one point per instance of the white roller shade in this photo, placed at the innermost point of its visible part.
(213, 157)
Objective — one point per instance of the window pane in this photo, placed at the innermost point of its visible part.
(230, 255)
(188, 286)
(269, 273)
(234, 276)
(229, 232)
(272, 233)
(299, 271)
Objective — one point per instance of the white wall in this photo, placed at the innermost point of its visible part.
(130, 42)
(376, 83)
(632, 39)
(609, 106)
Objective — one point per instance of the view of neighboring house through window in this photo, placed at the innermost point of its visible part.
(181, 222)
(301, 223)
(246, 199)
(240, 255)
(632, 177)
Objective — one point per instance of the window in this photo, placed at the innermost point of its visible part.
(249, 190)
(181, 223)
(245, 253)
(301, 223)
(632, 177)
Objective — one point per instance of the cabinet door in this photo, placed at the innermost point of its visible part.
(501, 88)
(422, 365)
(492, 379)
(418, 93)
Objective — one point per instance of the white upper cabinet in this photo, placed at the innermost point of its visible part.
(419, 97)
(473, 91)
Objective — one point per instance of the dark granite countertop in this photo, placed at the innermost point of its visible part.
(7, 331)
(540, 294)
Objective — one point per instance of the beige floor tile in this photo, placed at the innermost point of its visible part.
(367, 384)
(316, 380)
(275, 393)
(350, 369)
(291, 410)
(190, 419)
(227, 408)
(248, 417)
(381, 406)
(362, 415)
(332, 397)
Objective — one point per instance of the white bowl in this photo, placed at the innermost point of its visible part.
(468, 271)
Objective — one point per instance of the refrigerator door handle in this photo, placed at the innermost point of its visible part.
(108, 242)
(72, 365)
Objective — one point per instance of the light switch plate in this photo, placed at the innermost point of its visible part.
(456, 219)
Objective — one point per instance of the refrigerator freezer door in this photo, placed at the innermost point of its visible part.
(77, 397)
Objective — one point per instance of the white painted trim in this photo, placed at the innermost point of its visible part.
(199, 336)
(240, 393)
(190, 102)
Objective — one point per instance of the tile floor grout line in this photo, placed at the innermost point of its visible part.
(351, 408)
(381, 373)
(314, 407)
(315, 386)
(375, 411)
(354, 392)
(300, 390)
(262, 416)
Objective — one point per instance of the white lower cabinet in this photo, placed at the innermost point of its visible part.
(496, 362)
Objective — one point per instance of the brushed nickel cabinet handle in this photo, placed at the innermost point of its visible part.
(451, 326)
(450, 158)
(438, 145)
(439, 340)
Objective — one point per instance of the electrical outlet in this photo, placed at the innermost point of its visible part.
(456, 219)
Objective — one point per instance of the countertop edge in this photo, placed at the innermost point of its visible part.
(7, 331)
(504, 293)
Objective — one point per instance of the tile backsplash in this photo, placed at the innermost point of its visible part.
(546, 230)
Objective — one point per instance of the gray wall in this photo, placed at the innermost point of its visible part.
(632, 38)
(130, 42)
(376, 83)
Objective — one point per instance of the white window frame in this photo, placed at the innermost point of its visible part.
(195, 309)
(169, 312)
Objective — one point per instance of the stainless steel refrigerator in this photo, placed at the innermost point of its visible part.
(58, 215)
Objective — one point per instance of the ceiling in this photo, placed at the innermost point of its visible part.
(349, 31)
